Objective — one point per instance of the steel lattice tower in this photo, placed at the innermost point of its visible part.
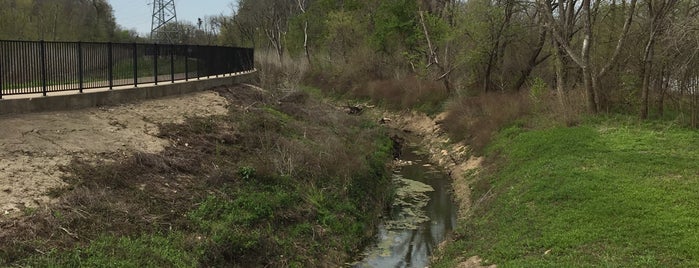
(163, 13)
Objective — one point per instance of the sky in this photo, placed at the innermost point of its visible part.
(136, 14)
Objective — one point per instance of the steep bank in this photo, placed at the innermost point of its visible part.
(612, 192)
(277, 180)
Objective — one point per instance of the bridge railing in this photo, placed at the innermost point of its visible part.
(31, 67)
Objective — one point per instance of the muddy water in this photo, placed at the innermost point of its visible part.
(422, 215)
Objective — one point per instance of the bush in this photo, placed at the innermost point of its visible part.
(476, 119)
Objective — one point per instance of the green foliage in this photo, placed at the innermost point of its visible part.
(395, 25)
(170, 250)
(537, 91)
(60, 20)
(608, 193)
(246, 172)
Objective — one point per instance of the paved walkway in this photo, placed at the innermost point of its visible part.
(106, 88)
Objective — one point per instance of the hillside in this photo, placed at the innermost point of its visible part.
(609, 192)
(271, 180)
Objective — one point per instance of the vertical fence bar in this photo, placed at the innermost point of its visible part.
(43, 66)
(198, 62)
(21, 67)
(155, 63)
(218, 60)
(110, 62)
(3, 56)
(186, 65)
(172, 63)
(135, 65)
(209, 61)
(81, 74)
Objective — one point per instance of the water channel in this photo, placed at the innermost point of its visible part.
(421, 216)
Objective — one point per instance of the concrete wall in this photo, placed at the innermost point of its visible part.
(117, 96)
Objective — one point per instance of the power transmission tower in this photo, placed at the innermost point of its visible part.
(163, 13)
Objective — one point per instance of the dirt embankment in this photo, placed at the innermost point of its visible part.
(454, 157)
(36, 146)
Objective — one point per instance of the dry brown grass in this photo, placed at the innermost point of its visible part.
(476, 119)
(405, 93)
(276, 75)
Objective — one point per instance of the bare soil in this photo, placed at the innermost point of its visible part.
(35, 147)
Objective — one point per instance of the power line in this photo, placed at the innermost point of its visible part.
(163, 13)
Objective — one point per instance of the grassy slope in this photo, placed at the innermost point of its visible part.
(294, 183)
(607, 193)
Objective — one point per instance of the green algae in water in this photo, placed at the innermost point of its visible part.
(408, 212)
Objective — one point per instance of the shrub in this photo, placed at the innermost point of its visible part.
(476, 119)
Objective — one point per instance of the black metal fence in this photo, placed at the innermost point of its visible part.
(30, 67)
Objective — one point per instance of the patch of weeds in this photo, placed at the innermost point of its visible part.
(284, 118)
(246, 172)
(144, 251)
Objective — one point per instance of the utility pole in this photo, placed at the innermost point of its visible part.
(163, 13)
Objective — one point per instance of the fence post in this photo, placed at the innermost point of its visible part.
(172, 63)
(80, 67)
(155, 62)
(209, 64)
(186, 65)
(110, 63)
(135, 65)
(2, 59)
(198, 62)
(43, 66)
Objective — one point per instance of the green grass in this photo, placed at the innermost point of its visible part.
(108, 251)
(613, 192)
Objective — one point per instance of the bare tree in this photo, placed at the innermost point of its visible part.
(583, 59)
(302, 6)
(658, 11)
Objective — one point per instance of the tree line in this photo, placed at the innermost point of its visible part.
(60, 20)
(89, 20)
(625, 55)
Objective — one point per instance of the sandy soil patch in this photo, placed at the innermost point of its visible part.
(35, 146)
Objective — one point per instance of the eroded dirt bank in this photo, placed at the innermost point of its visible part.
(36, 146)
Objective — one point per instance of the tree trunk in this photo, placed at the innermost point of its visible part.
(560, 75)
(532, 62)
(585, 55)
(646, 71)
(302, 7)
(665, 84)
(489, 70)
(305, 42)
